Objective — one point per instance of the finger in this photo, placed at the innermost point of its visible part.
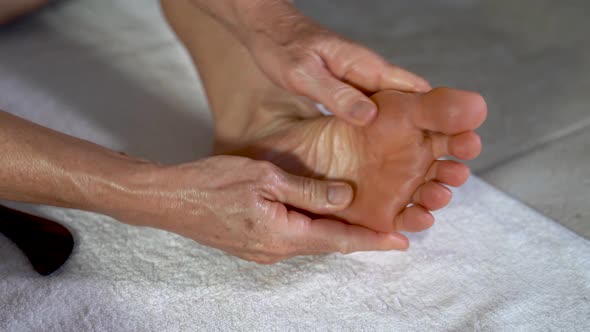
(327, 236)
(316, 196)
(414, 219)
(449, 172)
(394, 77)
(343, 100)
(432, 196)
(365, 69)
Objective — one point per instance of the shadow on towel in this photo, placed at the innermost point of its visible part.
(61, 74)
(68, 73)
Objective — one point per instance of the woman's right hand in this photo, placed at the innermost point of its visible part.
(240, 206)
(306, 59)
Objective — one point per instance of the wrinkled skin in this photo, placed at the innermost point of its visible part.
(257, 115)
(307, 59)
(303, 57)
(392, 162)
(238, 205)
(294, 52)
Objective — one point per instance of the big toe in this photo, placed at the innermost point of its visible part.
(450, 111)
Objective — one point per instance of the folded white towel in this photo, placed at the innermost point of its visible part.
(489, 263)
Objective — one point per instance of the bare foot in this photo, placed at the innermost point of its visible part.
(392, 162)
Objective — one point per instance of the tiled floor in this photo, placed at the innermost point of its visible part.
(529, 58)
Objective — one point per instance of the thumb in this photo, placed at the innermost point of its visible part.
(316, 196)
(342, 99)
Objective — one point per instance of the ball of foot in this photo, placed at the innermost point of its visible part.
(393, 163)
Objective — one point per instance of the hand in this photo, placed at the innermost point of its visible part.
(304, 58)
(240, 206)
(307, 59)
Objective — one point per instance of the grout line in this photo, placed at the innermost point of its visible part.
(557, 135)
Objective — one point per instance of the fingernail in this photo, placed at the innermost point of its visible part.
(339, 194)
(423, 86)
(363, 112)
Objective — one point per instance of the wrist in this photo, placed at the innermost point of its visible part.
(120, 184)
(147, 194)
(249, 20)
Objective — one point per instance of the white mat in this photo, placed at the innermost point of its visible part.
(118, 78)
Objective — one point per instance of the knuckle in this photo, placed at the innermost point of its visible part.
(266, 167)
(309, 190)
(303, 65)
(263, 165)
(343, 94)
(270, 251)
(268, 173)
(296, 74)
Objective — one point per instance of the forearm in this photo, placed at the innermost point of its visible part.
(248, 19)
(217, 54)
(42, 166)
(226, 68)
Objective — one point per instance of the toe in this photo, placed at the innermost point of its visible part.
(414, 218)
(448, 172)
(450, 111)
(432, 196)
(465, 146)
(440, 144)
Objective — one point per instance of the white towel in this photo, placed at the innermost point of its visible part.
(488, 264)
(117, 77)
